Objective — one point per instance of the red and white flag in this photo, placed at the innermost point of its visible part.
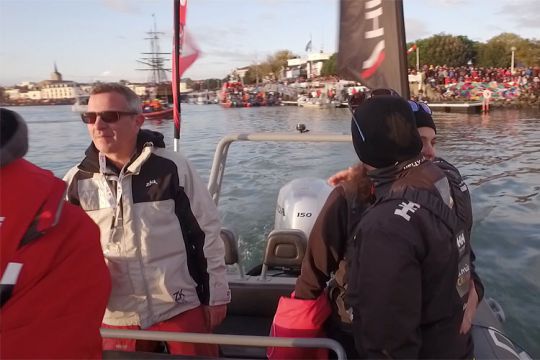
(185, 52)
(190, 53)
(411, 49)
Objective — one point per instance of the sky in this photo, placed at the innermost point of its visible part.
(92, 40)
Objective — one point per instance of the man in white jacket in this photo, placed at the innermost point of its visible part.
(159, 226)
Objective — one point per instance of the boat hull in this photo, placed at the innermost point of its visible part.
(159, 115)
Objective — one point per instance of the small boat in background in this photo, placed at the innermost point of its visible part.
(156, 110)
(159, 115)
(317, 103)
(81, 104)
(232, 94)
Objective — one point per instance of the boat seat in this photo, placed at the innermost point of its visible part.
(231, 250)
(285, 248)
(231, 246)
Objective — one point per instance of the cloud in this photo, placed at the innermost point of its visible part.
(213, 39)
(523, 13)
(124, 6)
(448, 2)
(267, 17)
(105, 73)
(415, 29)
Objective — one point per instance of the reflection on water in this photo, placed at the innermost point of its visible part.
(496, 153)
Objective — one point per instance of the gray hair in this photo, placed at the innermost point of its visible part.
(133, 100)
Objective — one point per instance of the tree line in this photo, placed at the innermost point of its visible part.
(440, 49)
(450, 50)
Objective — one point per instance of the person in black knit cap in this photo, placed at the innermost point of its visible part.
(409, 269)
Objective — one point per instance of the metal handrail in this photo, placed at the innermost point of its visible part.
(237, 340)
(222, 149)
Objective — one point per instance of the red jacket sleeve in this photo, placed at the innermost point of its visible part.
(60, 297)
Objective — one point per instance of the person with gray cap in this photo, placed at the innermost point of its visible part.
(54, 284)
(410, 266)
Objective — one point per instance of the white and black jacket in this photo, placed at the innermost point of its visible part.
(159, 232)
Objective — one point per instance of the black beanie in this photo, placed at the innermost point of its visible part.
(423, 119)
(389, 133)
(13, 136)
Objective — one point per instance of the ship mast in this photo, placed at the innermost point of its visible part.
(155, 60)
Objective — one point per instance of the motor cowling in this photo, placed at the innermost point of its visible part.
(299, 203)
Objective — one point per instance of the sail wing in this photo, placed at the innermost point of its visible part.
(372, 48)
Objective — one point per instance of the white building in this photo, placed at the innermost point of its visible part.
(31, 95)
(311, 66)
(141, 90)
(13, 94)
(57, 88)
(51, 89)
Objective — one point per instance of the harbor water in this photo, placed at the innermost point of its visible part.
(498, 155)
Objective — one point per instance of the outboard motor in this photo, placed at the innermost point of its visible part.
(299, 203)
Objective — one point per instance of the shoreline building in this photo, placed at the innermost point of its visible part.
(58, 89)
(309, 67)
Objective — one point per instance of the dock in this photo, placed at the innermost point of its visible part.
(289, 103)
(465, 107)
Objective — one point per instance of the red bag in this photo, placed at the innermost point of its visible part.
(300, 319)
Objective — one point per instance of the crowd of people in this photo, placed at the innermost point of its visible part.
(443, 82)
(136, 242)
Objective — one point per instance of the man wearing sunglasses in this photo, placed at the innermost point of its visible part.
(159, 226)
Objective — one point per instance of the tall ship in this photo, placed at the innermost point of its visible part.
(156, 101)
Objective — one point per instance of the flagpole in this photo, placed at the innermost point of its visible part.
(417, 58)
(177, 50)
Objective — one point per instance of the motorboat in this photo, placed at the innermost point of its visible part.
(315, 103)
(255, 293)
(159, 114)
(156, 110)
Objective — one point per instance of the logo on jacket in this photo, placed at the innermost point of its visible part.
(463, 187)
(406, 207)
(151, 182)
(179, 296)
(374, 12)
(460, 240)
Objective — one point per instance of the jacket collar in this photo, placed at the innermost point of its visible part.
(146, 139)
(384, 177)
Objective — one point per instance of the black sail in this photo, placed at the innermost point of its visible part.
(372, 48)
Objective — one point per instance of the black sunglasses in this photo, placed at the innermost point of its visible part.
(416, 105)
(107, 116)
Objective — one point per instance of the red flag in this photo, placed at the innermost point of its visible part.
(411, 49)
(183, 10)
(185, 52)
(190, 53)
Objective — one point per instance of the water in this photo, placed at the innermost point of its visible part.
(497, 155)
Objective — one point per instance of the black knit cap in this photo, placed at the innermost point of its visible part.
(423, 119)
(389, 133)
(13, 137)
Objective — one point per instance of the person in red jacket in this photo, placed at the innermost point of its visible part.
(54, 283)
